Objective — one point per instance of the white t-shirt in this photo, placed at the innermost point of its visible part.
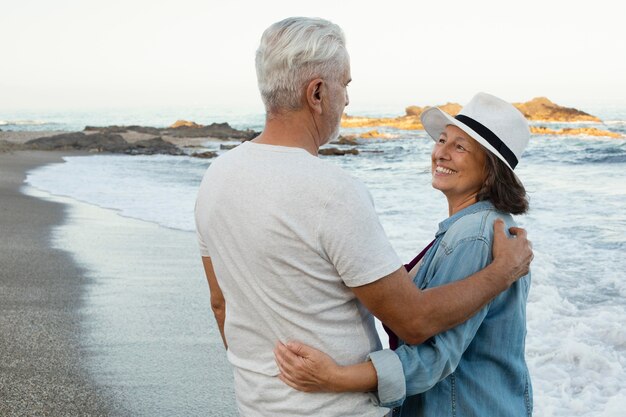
(288, 234)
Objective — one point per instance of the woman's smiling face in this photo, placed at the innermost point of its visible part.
(458, 167)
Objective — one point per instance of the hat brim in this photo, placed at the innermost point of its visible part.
(435, 121)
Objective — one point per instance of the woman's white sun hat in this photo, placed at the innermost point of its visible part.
(492, 122)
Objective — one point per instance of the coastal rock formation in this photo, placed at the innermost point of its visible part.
(214, 130)
(410, 121)
(184, 123)
(345, 140)
(6, 146)
(204, 155)
(375, 134)
(338, 152)
(402, 122)
(153, 147)
(148, 130)
(542, 109)
(588, 131)
(103, 142)
(537, 109)
(181, 129)
(450, 108)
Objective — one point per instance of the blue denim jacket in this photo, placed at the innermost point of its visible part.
(477, 368)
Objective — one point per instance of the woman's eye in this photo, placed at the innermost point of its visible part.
(459, 147)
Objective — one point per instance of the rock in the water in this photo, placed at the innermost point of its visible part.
(204, 155)
(104, 142)
(450, 108)
(106, 129)
(538, 109)
(184, 123)
(338, 152)
(375, 134)
(214, 130)
(155, 146)
(542, 109)
(574, 131)
(124, 129)
(345, 140)
(402, 122)
(225, 147)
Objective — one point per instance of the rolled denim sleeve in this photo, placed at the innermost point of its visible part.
(391, 382)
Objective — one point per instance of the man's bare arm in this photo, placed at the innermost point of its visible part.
(218, 303)
(416, 315)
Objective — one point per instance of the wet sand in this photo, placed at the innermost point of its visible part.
(41, 294)
(100, 314)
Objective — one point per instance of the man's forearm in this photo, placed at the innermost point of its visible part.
(218, 302)
(449, 305)
(220, 318)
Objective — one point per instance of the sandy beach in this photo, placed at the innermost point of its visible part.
(100, 314)
(42, 364)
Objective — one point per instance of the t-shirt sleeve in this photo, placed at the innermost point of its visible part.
(204, 249)
(352, 237)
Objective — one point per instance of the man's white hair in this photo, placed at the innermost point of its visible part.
(293, 52)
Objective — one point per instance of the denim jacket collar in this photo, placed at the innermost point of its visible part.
(474, 208)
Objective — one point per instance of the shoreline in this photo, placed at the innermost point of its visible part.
(139, 337)
(42, 293)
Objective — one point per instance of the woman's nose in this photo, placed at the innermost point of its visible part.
(441, 151)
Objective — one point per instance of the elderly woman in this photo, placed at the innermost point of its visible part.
(477, 368)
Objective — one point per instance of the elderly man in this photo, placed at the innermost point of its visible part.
(292, 246)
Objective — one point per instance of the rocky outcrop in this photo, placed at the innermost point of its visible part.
(402, 122)
(204, 155)
(537, 109)
(153, 147)
(587, 131)
(184, 123)
(214, 130)
(338, 152)
(345, 140)
(6, 146)
(542, 109)
(375, 134)
(450, 108)
(103, 142)
(410, 121)
(181, 129)
(148, 130)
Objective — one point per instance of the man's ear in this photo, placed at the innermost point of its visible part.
(314, 93)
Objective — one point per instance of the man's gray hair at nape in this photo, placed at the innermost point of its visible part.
(293, 52)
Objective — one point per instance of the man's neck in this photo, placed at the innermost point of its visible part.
(294, 129)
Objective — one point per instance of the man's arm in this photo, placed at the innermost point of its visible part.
(415, 315)
(218, 303)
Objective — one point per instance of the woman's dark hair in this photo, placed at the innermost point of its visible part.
(502, 187)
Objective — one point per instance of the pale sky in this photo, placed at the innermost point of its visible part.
(81, 54)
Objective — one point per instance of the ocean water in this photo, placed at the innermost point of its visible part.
(576, 344)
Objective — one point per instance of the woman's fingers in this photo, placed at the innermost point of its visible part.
(292, 370)
(305, 370)
(287, 357)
